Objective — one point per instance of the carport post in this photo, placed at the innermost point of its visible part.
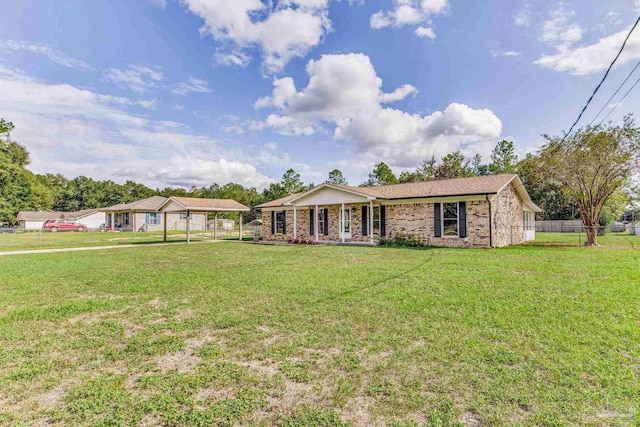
(164, 223)
(188, 231)
(342, 222)
(240, 237)
(133, 222)
(371, 222)
(315, 224)
(215, 227)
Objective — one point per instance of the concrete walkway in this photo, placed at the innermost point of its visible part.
(100, 248)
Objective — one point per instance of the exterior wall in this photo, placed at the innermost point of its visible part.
(93, 221)
(508, 218)
(174, 222)
(32, 225)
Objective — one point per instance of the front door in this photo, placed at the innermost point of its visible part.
(345, 220)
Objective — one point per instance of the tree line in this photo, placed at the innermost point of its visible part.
(546, 175)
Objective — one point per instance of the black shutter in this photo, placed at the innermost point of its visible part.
(383, 220)
(437, 226)
(284, 222)
(326, 222)
(365, 223)
(462, 219)
(273, 222)
(311, 223)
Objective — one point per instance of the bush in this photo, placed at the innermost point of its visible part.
(402, 240)
(604, 222)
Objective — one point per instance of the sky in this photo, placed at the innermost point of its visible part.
(196, 92)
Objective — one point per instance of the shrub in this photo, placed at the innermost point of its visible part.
(402, 240)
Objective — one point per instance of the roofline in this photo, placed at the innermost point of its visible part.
(528, 201)
(335, 187)
(206, 209)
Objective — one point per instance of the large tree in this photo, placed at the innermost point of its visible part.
(381, 175)
(591, 164)
(336, 177)
(503, 158)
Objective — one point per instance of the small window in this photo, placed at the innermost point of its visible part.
(450, 220)
(320, 221)
(183, 216)
(280, 222)
(125, 218)
(376, 220)
(153, 218)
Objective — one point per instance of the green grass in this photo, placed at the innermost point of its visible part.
(48, 240)
(228, 334)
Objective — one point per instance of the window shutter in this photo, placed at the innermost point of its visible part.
(462, 219)
(365, 223)
(383, 220)
(437, 226)
(273, 222)
(326, 222)
(311, 222)
(284, 222)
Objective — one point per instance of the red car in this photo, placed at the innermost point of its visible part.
(54, 225)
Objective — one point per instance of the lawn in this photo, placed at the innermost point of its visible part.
(241, 334)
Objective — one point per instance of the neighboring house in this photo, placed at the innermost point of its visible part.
(145, 214)
(485, 211)
(34, 220)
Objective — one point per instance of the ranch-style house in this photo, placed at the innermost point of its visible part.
(482, 212)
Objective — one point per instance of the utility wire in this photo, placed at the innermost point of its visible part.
(619, 102)
(601, 81)
(614, 94)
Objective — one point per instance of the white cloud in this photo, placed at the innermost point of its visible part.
(345, 94)
(425, 32)
(596, 57)
(51, 53)
(162, 4)
(271, 145)
(192, 85)
(290, 29)
(559, 32)
(496, 53)
(136, 78)
(523, 18)
(410, 12)
(614, 18)
(78, 132)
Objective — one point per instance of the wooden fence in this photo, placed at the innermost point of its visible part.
(633, 229)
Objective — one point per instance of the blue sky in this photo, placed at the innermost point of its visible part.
(193, 92)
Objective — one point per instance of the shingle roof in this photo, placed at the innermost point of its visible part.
(489, 184)
(194, 203)
(149, 204)
(278, 202)
(47, 215)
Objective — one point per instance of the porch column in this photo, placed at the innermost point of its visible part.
(113, 220)
(215, 226)
(342, 223)
(132, 219)
(315, 222)
(295, 223)
(164, 225)
(240, 237)
(188, 230)
(371, 222)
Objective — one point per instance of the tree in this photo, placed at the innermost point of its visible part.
(591, 165)
(427, 169)
(336, 177)
(503, 158)
(454, 165)
(409, 177)
(291, 182)
(381, 175)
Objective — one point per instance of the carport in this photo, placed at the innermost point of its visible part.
(189, 205)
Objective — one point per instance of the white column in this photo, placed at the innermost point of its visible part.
(132, 219)
(164, 226)
(371, 222)
(315, 226)
(215, 227)
(188, 229)
(342, 223)
(240, 237)
(295, 223)
(113, 220)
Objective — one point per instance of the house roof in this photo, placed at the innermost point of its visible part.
(149, 204)
(198, 204)
(47, 215)
(489, 184)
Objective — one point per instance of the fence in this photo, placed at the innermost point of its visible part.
(572, 226)
(633, 229)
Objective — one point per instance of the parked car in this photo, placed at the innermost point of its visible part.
(54, 225)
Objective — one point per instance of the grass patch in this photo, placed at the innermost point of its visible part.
(227, 334)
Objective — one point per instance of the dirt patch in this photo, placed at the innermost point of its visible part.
(85, 318)
(211, 393)
(53, 397)
(469, 419)
(184, 361)
(183, 314)
(358, 411)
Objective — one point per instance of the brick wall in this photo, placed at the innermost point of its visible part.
(508, 218)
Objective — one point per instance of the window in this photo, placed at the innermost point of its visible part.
(125, 218)
(450, 220)
(153, 218)
(183, 216)
(320, 221)
(281, 222)
(376, 220)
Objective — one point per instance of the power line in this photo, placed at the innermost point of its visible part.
(614, 94)
(603, 79)
(619, 102)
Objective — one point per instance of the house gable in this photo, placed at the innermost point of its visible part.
(329, 195)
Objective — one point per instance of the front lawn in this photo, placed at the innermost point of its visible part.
(232, 333)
